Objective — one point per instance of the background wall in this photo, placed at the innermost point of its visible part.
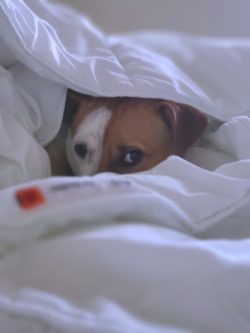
(211, 17)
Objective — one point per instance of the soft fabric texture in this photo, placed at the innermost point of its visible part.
(47, 48)
(167, 250)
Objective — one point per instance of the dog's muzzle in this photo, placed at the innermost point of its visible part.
(84, 147)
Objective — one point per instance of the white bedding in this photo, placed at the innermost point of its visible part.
(166, 250)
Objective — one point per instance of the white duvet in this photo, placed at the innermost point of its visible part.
(166, 250)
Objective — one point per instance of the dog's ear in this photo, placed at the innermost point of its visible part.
(72, 104)
(186, 124)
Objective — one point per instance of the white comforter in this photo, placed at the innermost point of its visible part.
(167, 250)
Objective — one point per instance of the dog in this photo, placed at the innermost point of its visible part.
(122, 134)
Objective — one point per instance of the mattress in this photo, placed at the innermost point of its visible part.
(165, 250)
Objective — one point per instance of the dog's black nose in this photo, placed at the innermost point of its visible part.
(81, 149)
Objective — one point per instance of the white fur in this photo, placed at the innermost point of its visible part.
(90, 132)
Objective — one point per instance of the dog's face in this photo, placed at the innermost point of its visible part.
(125, 135)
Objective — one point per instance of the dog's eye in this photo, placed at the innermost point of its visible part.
(131, 157)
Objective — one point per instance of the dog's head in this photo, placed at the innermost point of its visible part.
(124, 135)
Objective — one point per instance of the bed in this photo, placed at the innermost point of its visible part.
(166, 250)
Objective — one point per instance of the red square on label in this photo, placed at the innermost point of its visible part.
(30, 197)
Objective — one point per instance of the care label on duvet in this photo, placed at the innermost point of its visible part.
(23, 202)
